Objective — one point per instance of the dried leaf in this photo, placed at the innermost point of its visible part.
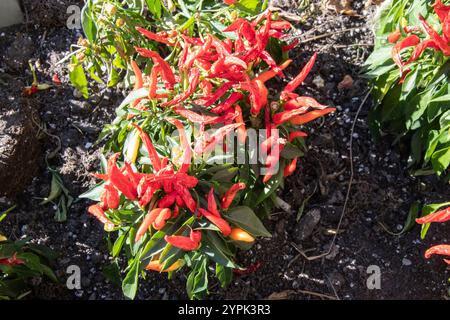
(346, 83)
(341, 7)
(282, 295)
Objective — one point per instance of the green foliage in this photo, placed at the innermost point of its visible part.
(416, 110)
(21, 261)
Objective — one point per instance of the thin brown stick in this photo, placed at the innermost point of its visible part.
(347, 196)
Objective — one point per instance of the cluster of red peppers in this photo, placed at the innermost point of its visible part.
(217, 76)
(412, 39)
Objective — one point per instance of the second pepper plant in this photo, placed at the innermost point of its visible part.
(199, 149)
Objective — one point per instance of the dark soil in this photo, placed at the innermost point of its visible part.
(382, 190)
(19, 146)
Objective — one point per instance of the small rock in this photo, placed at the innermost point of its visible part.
(406, 262)
(319, 82)
(308, 223)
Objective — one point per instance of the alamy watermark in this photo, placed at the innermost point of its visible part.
(374, 279)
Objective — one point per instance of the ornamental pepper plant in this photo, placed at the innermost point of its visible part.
(409, 71)
(199, 148)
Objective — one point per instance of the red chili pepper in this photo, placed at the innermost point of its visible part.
(12, 261)
(409, 41)
(290, 168)
(154, 158)
(110, 197)
(438, 216)
(228, 103)
(176, 211)
(303, 102)
(231, 193)
(139, 82)
(147, 195)
(161, 219)
(229, 2)
(420, 48)
(443, 249)
(236, 25)
(220, 47)
(208, 144)
(121, 182)
(206, 87)
(310, 116)
(167, 200)
(212, 205)
(149, 218)
(218, 221)
(295, 134)
(134, 177)
(441, 10)
(290, 46)
(394, 36)
(280, 25)
(258, 94)
(282, 117)
(294, 83)
(159, 37)
(241, 131)
(186, 196)
(166, 71)
(440, 41)
(207, 101)
(184, 144)
(194, 77)
(185, 243)
(271, 73)
(271, 63)
(272, 161)
(98, 212)
(153, 82)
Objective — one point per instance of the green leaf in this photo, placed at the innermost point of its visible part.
(250, 6)
(197, 281)
(441, 160)
(112, 273)
(271, 186)
(154, 6)
(213, 249)
(246, 219)
(291, 151)
(78, 78)
(130, 283)
(224, 275)
(118, 244)
(88, 22)
(94, 193)
(134, 95)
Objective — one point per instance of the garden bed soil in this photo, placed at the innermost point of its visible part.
(381, 193)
